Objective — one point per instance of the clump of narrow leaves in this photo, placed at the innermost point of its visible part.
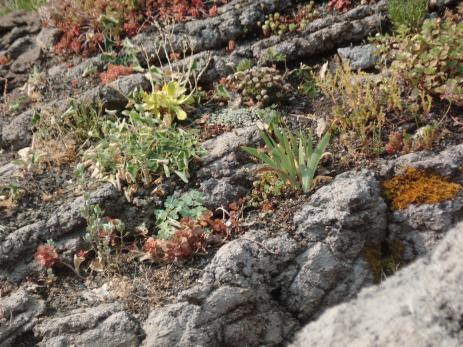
(293, 160)
(407, 14)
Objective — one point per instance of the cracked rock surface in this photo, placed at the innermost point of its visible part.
(103, 325)
(18, 247)
(18, 314)
(419, 306)
(275, 276)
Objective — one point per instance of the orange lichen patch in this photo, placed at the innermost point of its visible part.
(419, 187)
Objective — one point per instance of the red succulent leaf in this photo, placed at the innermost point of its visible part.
(213, 11)
(113, 72)
(46, 256)
(339, 5)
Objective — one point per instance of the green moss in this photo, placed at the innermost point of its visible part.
(385, 259)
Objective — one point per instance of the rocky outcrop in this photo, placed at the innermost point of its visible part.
(18, 314)
(320, 37)
(257, 288)
(235, 20)
(105, 325)
(294, 278)
(64, 226)
(419, 306)
(421, 227)
(226, 168)
(17, 133)
(18, 49)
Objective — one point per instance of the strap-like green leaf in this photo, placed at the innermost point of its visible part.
(316, 156)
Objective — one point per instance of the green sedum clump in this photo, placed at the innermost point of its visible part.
(433, 59)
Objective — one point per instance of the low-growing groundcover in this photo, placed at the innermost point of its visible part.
(91, 26)
(151, 230)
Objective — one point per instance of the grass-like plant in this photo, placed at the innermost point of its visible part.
(407, 14)
(294, 160)
(7, 6)
(360, 106)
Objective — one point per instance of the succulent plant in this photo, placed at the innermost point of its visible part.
(260, 85)
(277, 24)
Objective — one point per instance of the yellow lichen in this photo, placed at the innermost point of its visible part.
(419, 187)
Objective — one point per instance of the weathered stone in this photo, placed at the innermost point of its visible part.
(233, 19)
(19, 19)
(420, 228)
(16, 33)
(78, 71)
(320, 37)
(255, 285)
(47, 38)
(229, 316)
(18, 247)
(26, 60)
(106, 325)
(20, 47)
(359, 57)
(447, 163)
(17, 134)
(419, 306)
(126, 85)
(225, 156)
(19, 312)
(8, 171)
(221, 192)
